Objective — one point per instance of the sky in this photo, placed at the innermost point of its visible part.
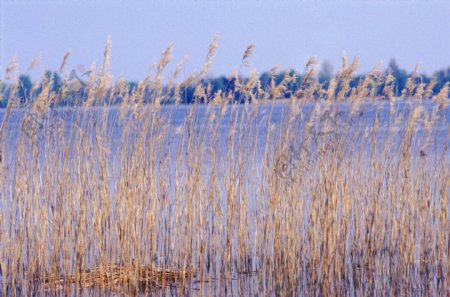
(286, 33)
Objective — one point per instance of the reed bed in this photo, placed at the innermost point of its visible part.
(144, 278)
(330, 192)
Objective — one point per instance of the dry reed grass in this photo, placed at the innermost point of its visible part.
(304, 200)
(111, 276)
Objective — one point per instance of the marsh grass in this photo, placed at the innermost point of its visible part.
(263, 197)
(143, 278)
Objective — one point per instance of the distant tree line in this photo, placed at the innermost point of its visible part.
(26, 90)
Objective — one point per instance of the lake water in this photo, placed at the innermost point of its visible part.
(254, 135)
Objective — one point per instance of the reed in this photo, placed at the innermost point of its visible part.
(301, 196)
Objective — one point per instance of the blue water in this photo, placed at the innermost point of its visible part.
(260, 120)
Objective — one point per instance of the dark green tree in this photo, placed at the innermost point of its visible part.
(401, 76)
(442, 77)
(57, 82)
(24, 88)
(325, 72)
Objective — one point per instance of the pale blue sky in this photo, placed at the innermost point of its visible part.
(286, 32)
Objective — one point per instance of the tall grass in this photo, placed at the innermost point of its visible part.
(330, 192)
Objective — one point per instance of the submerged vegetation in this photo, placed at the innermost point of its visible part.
(333, 191)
